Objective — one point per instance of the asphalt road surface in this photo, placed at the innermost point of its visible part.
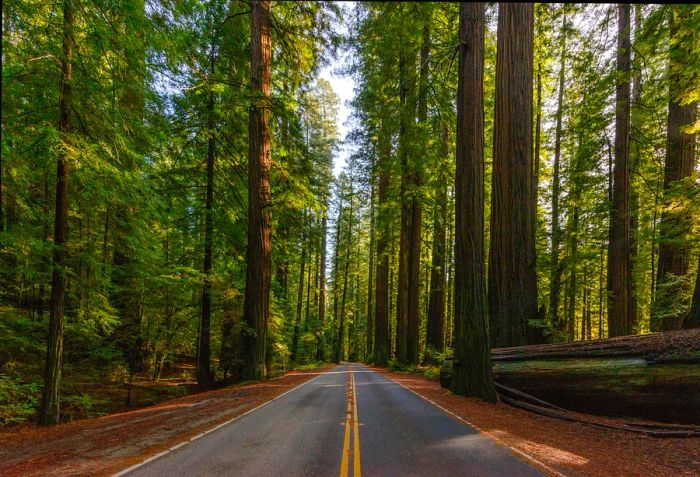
(348, 421)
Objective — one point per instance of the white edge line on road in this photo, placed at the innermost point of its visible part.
(161, 454)
(499, 441)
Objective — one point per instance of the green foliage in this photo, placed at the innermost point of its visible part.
(17, 399)
(81, 405)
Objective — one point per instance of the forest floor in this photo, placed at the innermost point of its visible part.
(570, 448)
(111, 443)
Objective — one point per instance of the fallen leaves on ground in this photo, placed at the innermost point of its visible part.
(570, 448)
(105, 445)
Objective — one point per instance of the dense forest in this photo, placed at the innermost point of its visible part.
(173, 189)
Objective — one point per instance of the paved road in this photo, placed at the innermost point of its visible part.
(313, 430)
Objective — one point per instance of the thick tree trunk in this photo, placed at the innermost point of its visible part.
(203, 348)
(320, 350)
(512, 288)
(472, 363)
(676, 223)
(556, 267)
(336, 272)
(49, 408)
(369, 351)
(257, 292)
(340, 347)
(436, 307)
(382, 336)
(620, 320)
(570, 323)
(300, 297)
(408, 311)
(635, 140)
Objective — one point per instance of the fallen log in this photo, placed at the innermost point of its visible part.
(652, 377)
(670, 346)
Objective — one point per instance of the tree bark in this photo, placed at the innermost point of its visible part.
(512, 279)
(300, 296)
(49, 408)
(257, 293)
(203, 349)
(472, 363)
(382, 337)
(408, 310)
(675, 226)
(321, 352)
(370, 270)
(635, 139)
(556, 268)
(340, 349)
(435, 335)
(620, 319)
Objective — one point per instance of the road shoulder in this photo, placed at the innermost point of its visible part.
(562, 447)
(112, 443)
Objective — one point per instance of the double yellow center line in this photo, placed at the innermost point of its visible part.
(351, 422)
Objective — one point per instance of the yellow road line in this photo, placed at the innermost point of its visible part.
(351, 422)
(356, 432)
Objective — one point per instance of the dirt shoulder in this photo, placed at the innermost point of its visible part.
(572, 449)
(111, 443)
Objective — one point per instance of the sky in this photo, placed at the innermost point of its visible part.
(344, 87)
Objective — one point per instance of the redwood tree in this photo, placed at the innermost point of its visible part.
(620, 319)
(435, 333)
(382, 338)
(512, 280)
(49, 408)
(672, 282)
(257, 291)
(472, 362)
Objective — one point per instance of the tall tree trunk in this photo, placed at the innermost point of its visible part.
(126, 293)
(635, 139)
(340, 348)
(257, 292)
(436, 307)
(336, 266)
(408, 309)
(300, 296)
(472, 363)
(320, 352)
(675, 226)
(556, 270)
(619, 271)
(512, 289)
(49, 408)
(573, 266)
(382, 336)
(203, 348)
(449, 333)
(369, 351)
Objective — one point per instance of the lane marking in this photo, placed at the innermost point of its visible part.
(356, 431)
(177, 446)
(351, 423)
(522, 454)
(344, 458)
